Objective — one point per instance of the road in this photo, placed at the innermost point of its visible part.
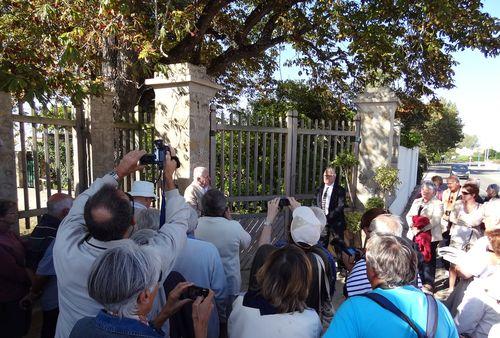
(486, 174)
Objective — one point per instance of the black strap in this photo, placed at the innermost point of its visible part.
(432, 316)
(431, 313)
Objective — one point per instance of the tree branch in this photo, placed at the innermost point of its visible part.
(188, 44)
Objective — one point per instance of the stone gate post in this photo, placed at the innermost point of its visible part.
(182, 115)
(8, 183)
(376, 107)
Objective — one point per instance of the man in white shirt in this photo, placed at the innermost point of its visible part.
(102, 218)
(195, 191)
(228, 236)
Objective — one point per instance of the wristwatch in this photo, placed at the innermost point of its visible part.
(114, 174)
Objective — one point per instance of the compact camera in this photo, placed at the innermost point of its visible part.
(194, 292)
(158, 155)
(284, 202)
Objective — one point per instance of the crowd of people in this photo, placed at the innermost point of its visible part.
(108, 264)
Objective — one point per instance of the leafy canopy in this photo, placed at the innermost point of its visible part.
(67, 46)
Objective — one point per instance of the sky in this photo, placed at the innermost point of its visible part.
(476, 93)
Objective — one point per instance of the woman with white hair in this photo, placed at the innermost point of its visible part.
(426, 210)
(125, 280)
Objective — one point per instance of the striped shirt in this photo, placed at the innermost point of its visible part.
(357, 282)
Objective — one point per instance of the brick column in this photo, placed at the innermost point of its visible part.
(376, 107)
(182, 115)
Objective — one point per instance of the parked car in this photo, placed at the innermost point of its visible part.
(460, 170)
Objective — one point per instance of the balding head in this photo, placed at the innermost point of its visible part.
(58, 205)
(387, 224)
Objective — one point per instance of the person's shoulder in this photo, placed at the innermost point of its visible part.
(82, 326)
(206, 247)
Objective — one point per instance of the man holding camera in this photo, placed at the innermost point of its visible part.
(331, 198)
(102, 218)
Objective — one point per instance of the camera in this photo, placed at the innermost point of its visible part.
(158, 155)
(194, 292)
(284, 202)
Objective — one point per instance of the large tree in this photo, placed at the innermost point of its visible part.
(76, 47)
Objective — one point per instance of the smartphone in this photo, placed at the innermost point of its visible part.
(194, 292)
(284, 202)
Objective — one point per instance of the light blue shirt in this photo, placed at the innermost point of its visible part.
(200, 263)
(362, 317)
(46, 268)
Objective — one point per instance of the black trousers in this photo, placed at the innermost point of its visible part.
(14, 321)
(49, 323)
(428, 269)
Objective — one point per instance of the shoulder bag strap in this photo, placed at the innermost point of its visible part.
(388, 305)
(322, 268)
(432, 316)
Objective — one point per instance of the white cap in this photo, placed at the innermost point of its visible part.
(143, 189)
(305, 227)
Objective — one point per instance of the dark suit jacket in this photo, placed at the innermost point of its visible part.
(335, 218)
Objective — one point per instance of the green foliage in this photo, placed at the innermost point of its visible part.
(345, 161)
(386, 178)
(469, 142)
(75, 47)
(435, 127)
(410, 138)
(374, 202)
(353, 221)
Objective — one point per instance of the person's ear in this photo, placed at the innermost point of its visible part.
(143, 297)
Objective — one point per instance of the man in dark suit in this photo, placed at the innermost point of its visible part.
(331, 198)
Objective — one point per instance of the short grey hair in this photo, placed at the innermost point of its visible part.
(387, 224)
(429, 185)
(198, 172)
(55, 208)
(213, 203)
(393, 259)
(147, 218)
(120, 274)
(143, 236)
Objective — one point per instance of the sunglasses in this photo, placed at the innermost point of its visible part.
(465, 193)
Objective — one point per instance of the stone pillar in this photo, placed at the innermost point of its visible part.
(100, 111)
(182, 115)
(8, 186)
(376, 107)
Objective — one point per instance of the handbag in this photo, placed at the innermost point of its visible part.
(325, 310)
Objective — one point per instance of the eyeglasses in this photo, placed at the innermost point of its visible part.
(327, 175)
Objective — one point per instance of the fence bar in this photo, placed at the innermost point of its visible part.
(34, 151)
(47, 159)
(213, 145)
(322, 149)
(301, 157)
(239, 157)
(308, 157)
(24, 172)
(271, 161)
(247, 160)
(264, 157)
(58, 159)
(315, 154)
(222, 157)
(280, 159)
(231, 156)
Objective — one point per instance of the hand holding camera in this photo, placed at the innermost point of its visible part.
(130, 163)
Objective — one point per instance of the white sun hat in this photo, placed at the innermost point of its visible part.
(305, 227)
(142, 189)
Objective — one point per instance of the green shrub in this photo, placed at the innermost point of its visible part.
(374, 202)
(353, 220)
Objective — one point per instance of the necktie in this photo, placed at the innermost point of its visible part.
(323, 200)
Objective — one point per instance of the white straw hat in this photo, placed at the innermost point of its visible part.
(143, 189)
